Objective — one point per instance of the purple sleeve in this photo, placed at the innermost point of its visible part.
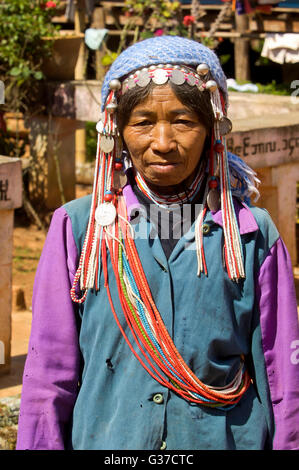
(51, 371)
(280, 341)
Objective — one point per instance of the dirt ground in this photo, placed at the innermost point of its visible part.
(28, 243)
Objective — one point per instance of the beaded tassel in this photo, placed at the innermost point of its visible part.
(102, 199)
(232, 241)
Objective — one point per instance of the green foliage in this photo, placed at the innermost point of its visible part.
(91, 141)
(274, 88)
(24, 25)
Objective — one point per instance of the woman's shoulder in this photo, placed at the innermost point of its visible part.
(78, 207)
(263, 219)
(78, 211)
(267, 234)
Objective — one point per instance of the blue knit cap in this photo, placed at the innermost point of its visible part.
(164, 50)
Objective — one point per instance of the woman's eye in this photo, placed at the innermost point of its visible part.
(183, 121)
(143, 123)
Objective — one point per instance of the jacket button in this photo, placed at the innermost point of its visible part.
(206, 229)
(158, 398)
(163, 445)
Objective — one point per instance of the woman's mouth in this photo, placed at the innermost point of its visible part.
(164, 167)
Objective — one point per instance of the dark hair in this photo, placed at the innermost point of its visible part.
(190, 96)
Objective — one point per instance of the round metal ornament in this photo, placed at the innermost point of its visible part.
(131, 82)
(191, 80)
(124, 87)
(111, 107)
(105, 214)
(211, 85)
(177, 77)
(100, 127)
(114, 84)
(225, 126)
(106, 143)
(202, 69)
(213, 200)
(143, 78)
(160, 76)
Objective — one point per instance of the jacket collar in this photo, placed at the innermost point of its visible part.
(245, 218)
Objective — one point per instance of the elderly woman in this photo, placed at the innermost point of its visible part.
(164, 312)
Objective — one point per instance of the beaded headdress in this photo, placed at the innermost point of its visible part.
(161, 60)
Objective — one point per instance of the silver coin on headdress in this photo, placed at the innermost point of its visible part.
(225, 126)
(160, 76)
(105, 214)
(131, 82)
(191, 79)
(177, 77)
(106, 143)
(124, 87)
(143, 78)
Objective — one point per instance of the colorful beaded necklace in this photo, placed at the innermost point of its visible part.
(109, 234)
(183, 197)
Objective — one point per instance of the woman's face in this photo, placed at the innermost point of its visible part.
(165, 139)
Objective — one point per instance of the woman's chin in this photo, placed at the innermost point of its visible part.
(164, 175)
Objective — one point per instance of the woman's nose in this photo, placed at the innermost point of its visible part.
(163, 140)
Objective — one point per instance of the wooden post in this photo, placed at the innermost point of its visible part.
(99, 23)
(10, 198)
(241, 49)
(80, 134)
(80, 28)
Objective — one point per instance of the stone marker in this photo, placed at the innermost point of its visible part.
(10, 199)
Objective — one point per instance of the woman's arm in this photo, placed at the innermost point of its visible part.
(280, 342)
(51, 373)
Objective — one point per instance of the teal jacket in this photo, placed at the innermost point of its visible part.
(84, 389)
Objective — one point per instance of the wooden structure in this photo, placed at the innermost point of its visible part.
(10, 199)
(240, 29)
(281, 20)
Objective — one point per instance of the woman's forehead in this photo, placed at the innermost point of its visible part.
(161, 96)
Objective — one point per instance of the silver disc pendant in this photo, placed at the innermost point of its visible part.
(225, 126)
(100, 127)
(106, 143)
(143, 78)
(191, 80)
(105, 214)
(124, 87)
(131, 82)
(160, 76)
(177, 77)
(213, 200)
